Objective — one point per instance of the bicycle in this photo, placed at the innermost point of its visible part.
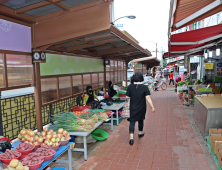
(163, 85)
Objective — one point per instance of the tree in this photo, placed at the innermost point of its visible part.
(164, 63)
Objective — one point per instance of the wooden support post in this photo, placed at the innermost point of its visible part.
(104, 80)
(38, 97)
(126, 72)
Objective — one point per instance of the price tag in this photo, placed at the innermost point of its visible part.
(72, 146)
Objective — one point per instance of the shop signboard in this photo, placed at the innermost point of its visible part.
(209, 66)
(218, 69)
(172, 65)
(176, 59)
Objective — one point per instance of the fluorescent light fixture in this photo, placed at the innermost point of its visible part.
(210, 53)
(218, 51)
(195, 56)
(206, 55)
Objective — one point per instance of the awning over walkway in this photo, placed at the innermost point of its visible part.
(150, 61)
(186, 12)
(110, 43)
(194, 41)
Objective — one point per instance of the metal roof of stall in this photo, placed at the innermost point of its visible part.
(56, 27)
(150, 61)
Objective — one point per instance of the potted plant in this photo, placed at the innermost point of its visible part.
(175, 89)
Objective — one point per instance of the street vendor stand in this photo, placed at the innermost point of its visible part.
(60, 151)
(115, 107)
(208, 113)
(86, 134)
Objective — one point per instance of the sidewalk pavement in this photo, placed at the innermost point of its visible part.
(169, 142)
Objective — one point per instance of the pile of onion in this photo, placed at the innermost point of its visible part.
(30, 137)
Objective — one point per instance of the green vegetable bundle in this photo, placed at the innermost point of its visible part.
(197, 82)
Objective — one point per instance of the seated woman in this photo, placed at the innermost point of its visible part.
(111, 91)
(89, 96)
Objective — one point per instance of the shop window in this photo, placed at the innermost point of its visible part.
(101, 79)
(95, 82)
(49, 90)
(77, 84)
(19, 69)
(1, 71)
(108, 76)
(86, 81)
(64, 87)
(112, 76)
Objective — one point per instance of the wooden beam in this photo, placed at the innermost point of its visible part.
(61, 49)
(65, 8)
(99, 37)
(3, 1)
(84, 53)
(68, 44)
(73, 9)
(91, 45)
(114, 50)
(11, 13)
(31, 7)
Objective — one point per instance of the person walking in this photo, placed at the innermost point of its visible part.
(138, 94)
(171, 78)
(166, 74)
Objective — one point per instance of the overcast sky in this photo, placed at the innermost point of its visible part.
(151, 23)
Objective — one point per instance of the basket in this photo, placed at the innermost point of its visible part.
(80, 108)
(116, 95)
(48, 158)
(121, 92)
(58, 168)
(7, 161)
(64, 142)
(34, 167)
(122, 95)
(27, 151)
(102, 132)
(55, 148)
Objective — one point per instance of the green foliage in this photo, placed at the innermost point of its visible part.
(164, 63)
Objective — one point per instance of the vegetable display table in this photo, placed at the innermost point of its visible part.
(208, 113)
(61, 150)
(84, 135)
(115, 107)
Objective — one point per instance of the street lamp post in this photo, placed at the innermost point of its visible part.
(156, 47)
(129, 16)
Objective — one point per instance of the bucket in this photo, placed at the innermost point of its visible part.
(59, 168)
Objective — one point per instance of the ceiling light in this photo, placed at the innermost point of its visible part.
(218, 51)
(205, 54)
(210, 53)
(195, 56)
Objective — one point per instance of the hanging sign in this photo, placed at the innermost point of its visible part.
(218, 69)
(209, 66)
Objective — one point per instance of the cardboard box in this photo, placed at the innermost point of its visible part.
(213, 131)
(219, 154)
(216, 139)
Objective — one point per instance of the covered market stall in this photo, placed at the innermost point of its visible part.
(59, 48)
(201, 48)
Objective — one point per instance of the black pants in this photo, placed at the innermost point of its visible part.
(132, 126)
(172, 81)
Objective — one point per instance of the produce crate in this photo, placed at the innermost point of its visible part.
(213, 154)
(114, 121)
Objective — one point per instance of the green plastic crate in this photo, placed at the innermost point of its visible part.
(102, 132)
(121, 92)
(114, 121)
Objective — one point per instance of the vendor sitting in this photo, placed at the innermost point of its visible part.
(89, 96)
(111, 91)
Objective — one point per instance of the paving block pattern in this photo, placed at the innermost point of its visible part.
(169, 142)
